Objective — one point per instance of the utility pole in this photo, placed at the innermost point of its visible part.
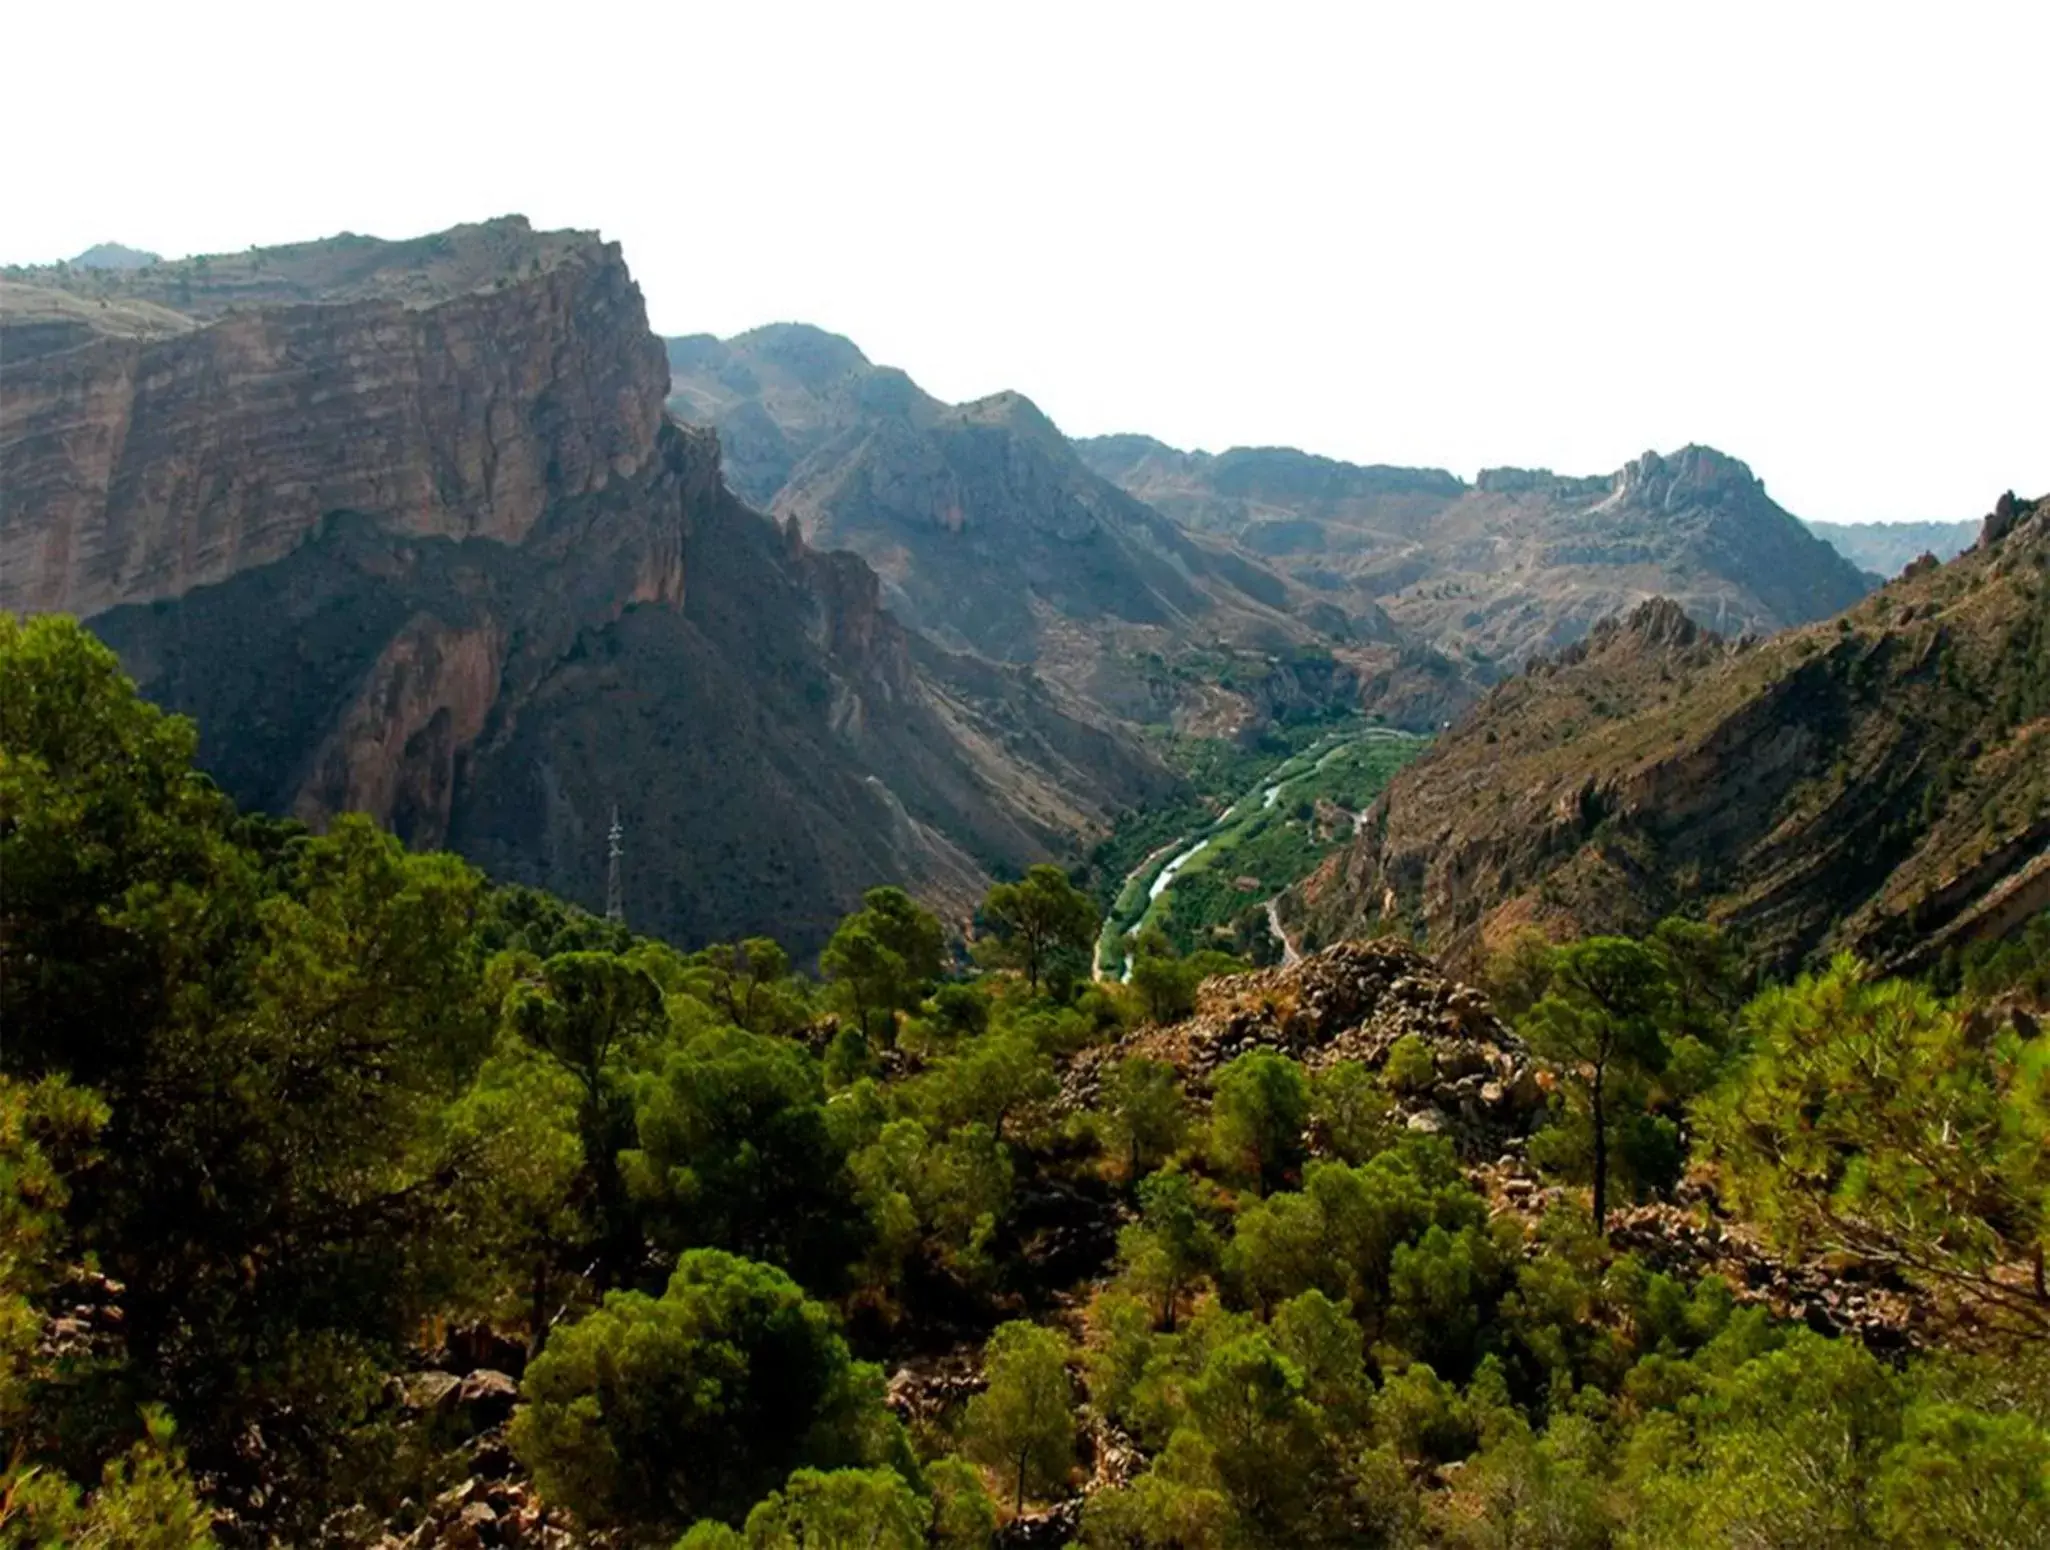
(615, 891)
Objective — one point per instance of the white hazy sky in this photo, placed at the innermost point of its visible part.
(1816, 236)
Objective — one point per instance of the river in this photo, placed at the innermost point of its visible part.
(1262, 797)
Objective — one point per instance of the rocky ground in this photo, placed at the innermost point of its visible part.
(1353, 1001)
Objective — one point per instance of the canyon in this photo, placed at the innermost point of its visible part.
(406, 529)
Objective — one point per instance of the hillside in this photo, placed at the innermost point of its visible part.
(1879, 781)
(351, 1201)
(991, 535)
(406, 526)
(1884, 549)
(1521, 561)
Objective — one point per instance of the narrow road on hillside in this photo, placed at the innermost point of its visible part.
(1289, 954)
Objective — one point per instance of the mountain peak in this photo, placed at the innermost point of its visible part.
(1013, 411)
(811, 355)
(114, 255)
(1693, 473)
(1656, 625)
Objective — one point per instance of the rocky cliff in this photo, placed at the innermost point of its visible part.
(405, 527)
(140, 464)
(1521, 561)
(991, 535)
(1879, 781)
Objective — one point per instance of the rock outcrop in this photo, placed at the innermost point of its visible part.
(1878, 782)
(1352, 1001)
(138, 468)
(406, 528)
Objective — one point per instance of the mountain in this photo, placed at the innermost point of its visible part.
(1884, 549)
(1519, 562)
(406, 527)
(113, 255)
(990, 534)
(1879, 781)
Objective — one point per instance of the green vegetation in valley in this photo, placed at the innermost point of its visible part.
(1254, 844)
(286, 1108)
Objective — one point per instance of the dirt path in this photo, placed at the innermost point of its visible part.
(1289, 955)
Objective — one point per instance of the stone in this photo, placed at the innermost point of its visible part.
(488, 1396)
(431, 1390)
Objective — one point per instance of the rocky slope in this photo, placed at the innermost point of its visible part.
(1521, 561)
(406, 528)
(1353, 1001)
(1879, 781)
(991, 535)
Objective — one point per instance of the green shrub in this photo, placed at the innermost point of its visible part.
(1410, 1067)
(652, 1412)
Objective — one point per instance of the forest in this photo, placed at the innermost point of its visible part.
(338, 1184)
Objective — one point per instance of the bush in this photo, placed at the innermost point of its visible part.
(1410, 1067)
(651, 1412)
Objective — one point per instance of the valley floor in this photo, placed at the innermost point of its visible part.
(1272, 834)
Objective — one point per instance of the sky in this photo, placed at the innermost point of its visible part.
(1815, 236)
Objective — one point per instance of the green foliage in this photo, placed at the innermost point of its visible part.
(145, 1500)
(999, 1077)
(1410, 1067)
(1257, 1113)
(962, 1515)
(1867, 1118)
(307, 1098)
(596, 1016)
(1339, 1233)
(651, 1412)
(109, 843)
(1264, 1437)
(2016, 967)
(883, 958)
(1170, 1245)
(735, 1153)
(1602, 1024)
(1145, 1115)
(932, 1200)
(1349, 1113)
(1021, 1424)
(841, 1509)
(1167, 982)
(751, 984)
(1040, 919)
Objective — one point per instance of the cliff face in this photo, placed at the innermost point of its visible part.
(1520, 562)
(139, 467)
(414, 536)
(1879, 781)
(991, 535)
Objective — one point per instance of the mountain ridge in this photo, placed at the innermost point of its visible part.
(992, 535)
(1520, 561)
(1876, 781)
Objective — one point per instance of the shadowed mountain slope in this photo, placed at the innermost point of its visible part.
(1884, 549)
(991, 534)
(405, 526)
